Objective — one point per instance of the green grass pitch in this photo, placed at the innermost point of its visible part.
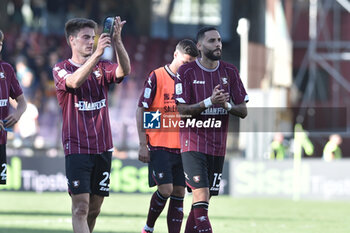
(26, 212)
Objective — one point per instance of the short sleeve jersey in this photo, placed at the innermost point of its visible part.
(193, 84)
(9, 87)
(86, 125)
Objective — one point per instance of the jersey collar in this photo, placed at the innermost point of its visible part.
(172, 75)
(206, 69)
(73, 63)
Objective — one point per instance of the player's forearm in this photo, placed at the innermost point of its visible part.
(77, 79)
(191, 110)
(141, 133)
(122, 59)
(21, 106)
(239, 110)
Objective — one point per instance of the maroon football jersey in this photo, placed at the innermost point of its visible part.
(86, 126)
(193, 84)
(9, 87)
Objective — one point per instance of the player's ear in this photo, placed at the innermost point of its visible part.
(199, 45)
(176, 54)
(71, 40)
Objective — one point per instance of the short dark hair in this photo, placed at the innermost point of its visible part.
(187, 46)
(203, 30)
(73, 26)
(1, 36)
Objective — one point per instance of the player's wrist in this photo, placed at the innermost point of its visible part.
(143, 143)
(228, 106)
(207, 102)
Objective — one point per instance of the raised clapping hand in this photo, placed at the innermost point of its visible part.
(219, 96)
(118, 26)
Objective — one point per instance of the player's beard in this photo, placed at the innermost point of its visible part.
(210, 54)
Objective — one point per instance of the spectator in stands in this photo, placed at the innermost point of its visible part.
(277, 147)
(332, 150)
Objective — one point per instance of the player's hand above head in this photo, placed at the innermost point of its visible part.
(144, 154)
(118, 26)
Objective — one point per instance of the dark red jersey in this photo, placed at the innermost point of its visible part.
(207, 132)
(9, 87)
(86, 125)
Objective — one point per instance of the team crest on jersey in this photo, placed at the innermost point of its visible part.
(161, 175)
(2, 75)
(196, 179)
(76, 183)
(224, 80)
(97, 74)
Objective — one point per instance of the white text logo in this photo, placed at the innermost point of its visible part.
(198, 82)
(3, 103)
(86, 106)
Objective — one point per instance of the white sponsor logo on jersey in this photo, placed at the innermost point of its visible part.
(3, 102)
(214, 111)
(147, 93)
(178, 88)
(86, 106)
(198, 82)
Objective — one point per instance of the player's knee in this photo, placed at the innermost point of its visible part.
(80, 209)
(93, 213)
(178, 191)
(166, 191)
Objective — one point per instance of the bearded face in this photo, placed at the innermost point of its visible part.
(211, 45)
(214, 55)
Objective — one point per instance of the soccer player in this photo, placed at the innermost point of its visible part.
(82, 91)
(9, 87)
(204, 90)
(161, 148)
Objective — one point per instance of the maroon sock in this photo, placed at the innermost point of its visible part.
(200, 210)
(175, 214)
(191, 224)
(156, 207)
